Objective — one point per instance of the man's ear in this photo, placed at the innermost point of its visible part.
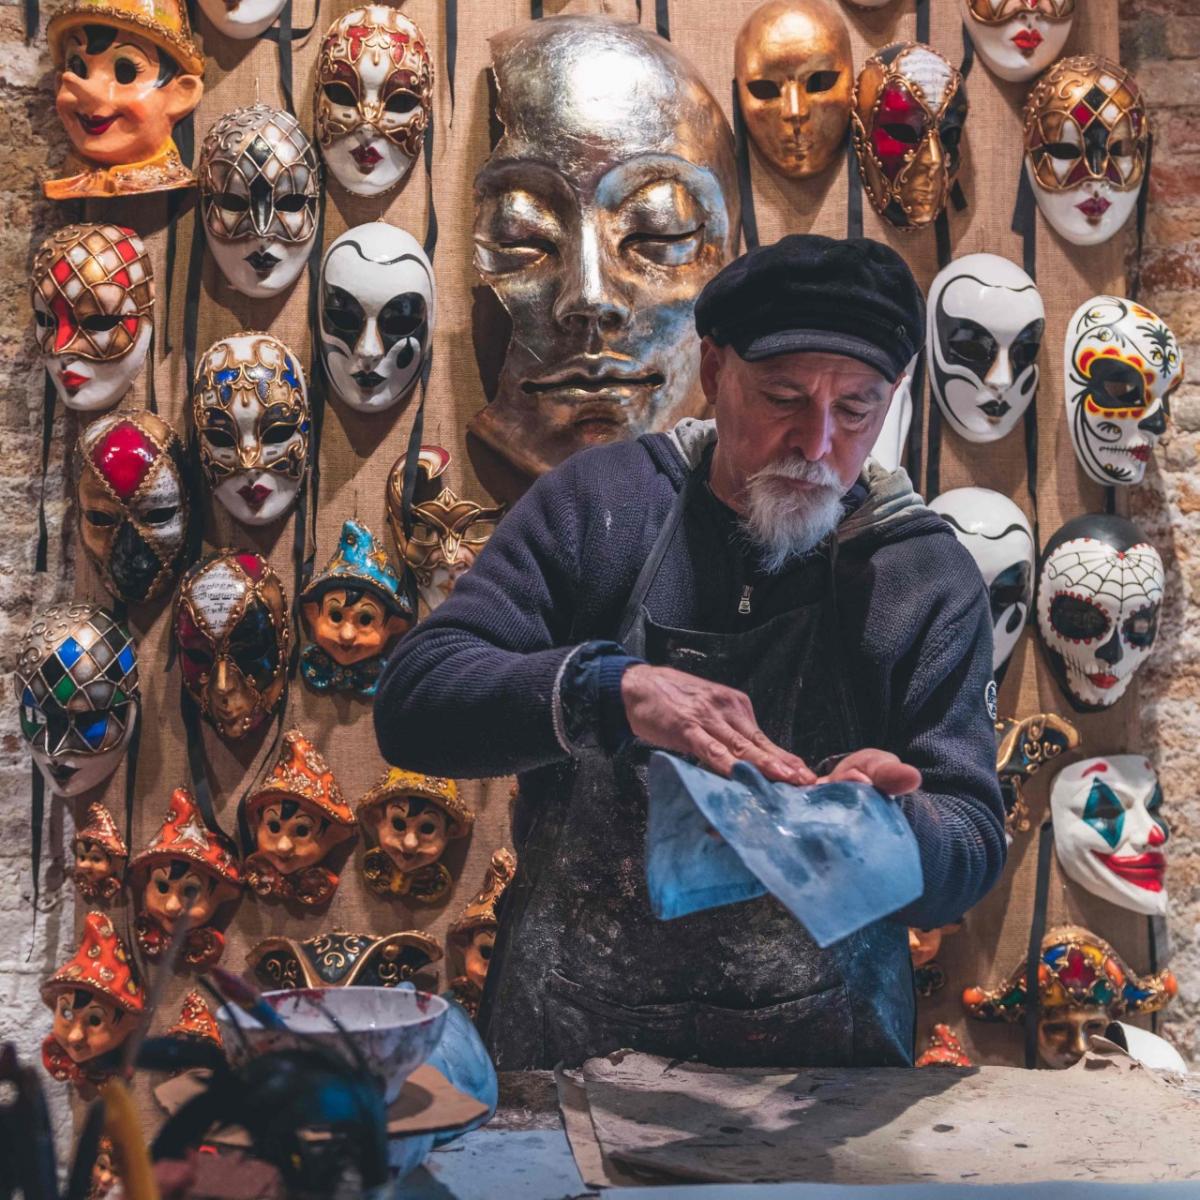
(712, 359)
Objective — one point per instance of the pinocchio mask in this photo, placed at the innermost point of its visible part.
(474, 933)
(100, 855)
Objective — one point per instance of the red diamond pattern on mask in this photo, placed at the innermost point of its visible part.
(124, 458)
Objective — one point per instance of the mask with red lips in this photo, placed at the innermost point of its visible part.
(1018, 39)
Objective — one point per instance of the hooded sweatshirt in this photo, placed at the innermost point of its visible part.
(477, 688)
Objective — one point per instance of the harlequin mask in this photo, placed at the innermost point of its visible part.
(1086, 139)
(999, 539)
(1120, 365)
(475, 930)
(794, 79)
(250, 410)
(343, 960)
(1018, 39)
(231, 623)
(447, 533)
(127, 71)
(92, 288)
(1109, 830)
(910, 107)
(373, 97)
(376, 315)
(260, 184)
(985, 323)
(77, 685)
(1083, 984)
(1100, 586)
(241, 19)
(100, 854)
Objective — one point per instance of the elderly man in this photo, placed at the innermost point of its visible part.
(754, 588)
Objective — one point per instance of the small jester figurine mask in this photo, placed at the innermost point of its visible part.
(353, 611)
(295, 819)
(100, 855)
(187, 871)
(196, 1023)
(474, 933)
(413, 817)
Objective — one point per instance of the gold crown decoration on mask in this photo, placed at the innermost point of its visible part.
(433, 788)
(1023, 746)
(341, 959)
(481, 912)
(163, 22)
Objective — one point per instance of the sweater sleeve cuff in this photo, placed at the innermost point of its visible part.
(589, 697)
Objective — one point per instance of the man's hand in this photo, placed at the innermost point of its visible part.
(878, 768)
(714, 723)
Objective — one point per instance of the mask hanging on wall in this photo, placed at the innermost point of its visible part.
(910, 109)
(92, 288)
(373, 97)
(1109, 830)
(1087, 136)
(260, 186)
(794, 79)
(376, 315)
(985, 324)
(250, 412)
(1018, 39)
(474, 933)
(76, 680)
(1100, 588)
(241, 19)
(1120, 365)
(231, 624)
(447, 533)
(100, 855)
(344, 960)
(126, 73)
(1023, 747)
(596, 226)
(196, 1022)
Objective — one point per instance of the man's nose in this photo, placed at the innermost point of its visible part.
(1000, 375)
(812, 431)
(589, 296)
(793, 101)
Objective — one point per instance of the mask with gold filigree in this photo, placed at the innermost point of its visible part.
(344, 960)
(1018, 39)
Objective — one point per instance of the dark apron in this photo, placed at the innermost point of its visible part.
(582, 966)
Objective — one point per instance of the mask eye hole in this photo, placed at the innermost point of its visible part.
(1077, 619)
(160, 516)
(401, 103)
(904, 134)
(1104, 812)
(822, 81)
(125, 71)
(277, 434)
(99, 518)
(221, 439)
(971, 343)
(763, 89)
(1063, 151)
(231, 201)
(1141, 626)
(293, 202)
(340, 94)
(100, 322)
(76, 66)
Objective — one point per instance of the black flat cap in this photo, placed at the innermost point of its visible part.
(851, 296)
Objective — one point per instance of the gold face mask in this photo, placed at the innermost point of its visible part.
(795, 80)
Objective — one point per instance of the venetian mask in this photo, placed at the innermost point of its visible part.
(92, 288)
(126, 72)
(1023, 747)
(998, 536)
(344, 960)
(231, 624)
(250, 410)
(1018, 39)
(1120, 365)
(77, 685)
(910, 107)
(474, 933)
(260, 185)
(373, 97)
(100, 853)
(241, 19)
(447, 533)
(985, 323)
(1086, 140)
(794, 79)
(608, 203)
(1100, 587)
(1109, 830)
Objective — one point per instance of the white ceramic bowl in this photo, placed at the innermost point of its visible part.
(394, 1030)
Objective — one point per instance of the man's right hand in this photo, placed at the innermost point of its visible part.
(713, 723)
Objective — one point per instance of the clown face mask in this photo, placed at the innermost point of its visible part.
(77, 684)
(241, 19)
(1086, 139)
(373, 98)
(1109, 830)
(231, 623)
(250, 410)
(93, 300)
(1120, 365)
(1100, 587)
(1018, 39)
(260, 185)
(997, 535)
(985, 323)
(910, 108)
(794, 79)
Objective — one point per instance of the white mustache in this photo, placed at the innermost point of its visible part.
(817, 473)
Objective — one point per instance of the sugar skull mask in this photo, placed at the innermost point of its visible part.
(100, 854)
(1120, 365)
(376, 315)
(998, 536)
(1100, 587)
(985, 324)
(241, 19)
(1109, 830)
(373, 98)
(1086, 139)
(231, 623)
(260, 185)
(77, 685)
(92, 289)
(474, 933)
(910, 108)
(1018, 39)
(250, 410)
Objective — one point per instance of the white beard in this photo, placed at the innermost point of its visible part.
(785, 523)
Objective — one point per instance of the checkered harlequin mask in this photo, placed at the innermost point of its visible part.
(77, 686)
(1018, 39)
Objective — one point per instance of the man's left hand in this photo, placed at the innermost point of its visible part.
(879, 768)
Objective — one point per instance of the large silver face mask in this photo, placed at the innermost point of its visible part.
(608, 203)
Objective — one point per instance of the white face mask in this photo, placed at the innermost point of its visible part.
(242, 18)
(376, 315)
(1120, 365)
(1018, 39)
(997, 535)
(1109, 832)
(985, 323)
